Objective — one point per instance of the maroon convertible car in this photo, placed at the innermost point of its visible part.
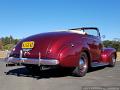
(79, 48)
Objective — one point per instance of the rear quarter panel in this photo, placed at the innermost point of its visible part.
(69, 56)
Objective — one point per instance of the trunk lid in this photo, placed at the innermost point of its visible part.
(47, 45)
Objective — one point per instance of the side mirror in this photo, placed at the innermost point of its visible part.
(103, 36)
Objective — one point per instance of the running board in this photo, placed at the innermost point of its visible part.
(96, 64)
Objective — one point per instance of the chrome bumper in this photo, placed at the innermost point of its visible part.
(32, 61)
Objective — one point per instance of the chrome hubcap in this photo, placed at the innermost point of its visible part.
(82, 64)
(113, 59)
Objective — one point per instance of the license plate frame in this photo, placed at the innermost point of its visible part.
(28, 45)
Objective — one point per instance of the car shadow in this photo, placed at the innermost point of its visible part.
(48, 73)
(96, 69)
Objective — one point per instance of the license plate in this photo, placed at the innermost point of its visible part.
(28, 45)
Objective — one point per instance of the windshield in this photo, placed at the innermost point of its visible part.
(86, 31)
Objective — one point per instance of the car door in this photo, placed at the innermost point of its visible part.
(94, 43)
(97, 46)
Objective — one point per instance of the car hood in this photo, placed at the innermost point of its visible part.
(48, 45)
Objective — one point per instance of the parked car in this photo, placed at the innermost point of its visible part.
(79, 48)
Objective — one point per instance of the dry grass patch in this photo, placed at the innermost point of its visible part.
(3, 54)
(118, 56)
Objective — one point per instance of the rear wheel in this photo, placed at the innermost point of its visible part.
(112, 61)
(82, 67)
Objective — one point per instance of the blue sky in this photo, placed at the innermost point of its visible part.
(22, 18)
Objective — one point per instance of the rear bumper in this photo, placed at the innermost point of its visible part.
(32, 61)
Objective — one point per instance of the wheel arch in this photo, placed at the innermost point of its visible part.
(88, 55)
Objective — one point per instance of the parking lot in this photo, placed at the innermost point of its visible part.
(18, 78)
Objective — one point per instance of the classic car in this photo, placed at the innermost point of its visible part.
(78, 48)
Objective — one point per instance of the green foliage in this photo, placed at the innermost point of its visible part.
(1, 45)
(7, 43)
(113, 44)
(8, 46)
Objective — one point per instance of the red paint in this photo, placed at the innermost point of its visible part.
(66, 47)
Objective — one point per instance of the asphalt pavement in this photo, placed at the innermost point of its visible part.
(19, 78)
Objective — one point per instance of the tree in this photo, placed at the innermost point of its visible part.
(1, 45)
(114, 44)
(8, 42)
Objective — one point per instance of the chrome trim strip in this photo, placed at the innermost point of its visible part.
(39, 58)
(32, 61)
(96, 64)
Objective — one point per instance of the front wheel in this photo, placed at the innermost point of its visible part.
(112, 61)
(82, 67)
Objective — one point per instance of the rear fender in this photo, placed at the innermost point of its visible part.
(107, 54)
(69, 55)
